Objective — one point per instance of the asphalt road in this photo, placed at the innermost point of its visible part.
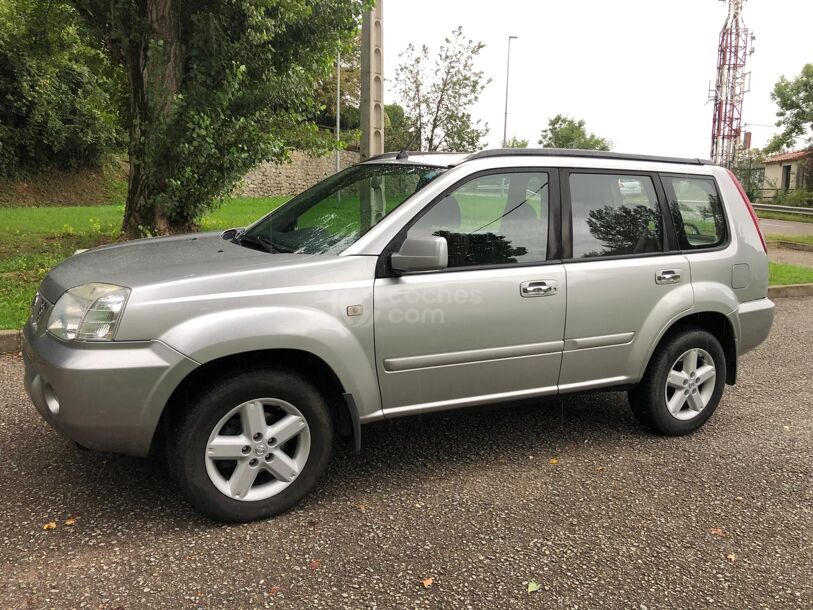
(721, 519)
(785, 227)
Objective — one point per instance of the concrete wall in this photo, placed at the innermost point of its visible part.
(773, 175)
(270, 180)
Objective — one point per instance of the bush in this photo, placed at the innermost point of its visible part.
(58, 106)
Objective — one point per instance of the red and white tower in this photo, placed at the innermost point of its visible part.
(730, 86)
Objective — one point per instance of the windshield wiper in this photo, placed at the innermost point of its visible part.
(258, 242)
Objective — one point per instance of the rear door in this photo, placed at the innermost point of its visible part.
(626, 278)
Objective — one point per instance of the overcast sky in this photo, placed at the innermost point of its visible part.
(637, 71)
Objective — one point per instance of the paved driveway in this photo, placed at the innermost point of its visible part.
(721, 519)
(785, 227)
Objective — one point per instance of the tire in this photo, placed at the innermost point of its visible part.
(656, 401)
(222, 417)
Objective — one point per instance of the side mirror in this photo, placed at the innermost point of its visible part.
(421, 254)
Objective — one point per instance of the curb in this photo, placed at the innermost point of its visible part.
(10, 341)
(791, 245)
(790, 290)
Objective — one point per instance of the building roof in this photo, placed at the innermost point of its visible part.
(790, 156)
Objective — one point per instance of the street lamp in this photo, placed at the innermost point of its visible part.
(507, 71)
(338, 108)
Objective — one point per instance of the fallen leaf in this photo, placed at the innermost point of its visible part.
(51, 525)
(314, 565)
(427, 582)
(554, 461)
(731, 556)
(717, 531)
(361, 507)
(533, 586)
(70, 521)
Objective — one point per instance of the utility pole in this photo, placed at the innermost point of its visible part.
(372, 82)
(371, 199)
(507, 72)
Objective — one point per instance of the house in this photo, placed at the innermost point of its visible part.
(787, 172)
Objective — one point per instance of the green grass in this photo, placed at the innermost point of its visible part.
(784, 216)
(781, 274)
(35, 239)
(799, 239)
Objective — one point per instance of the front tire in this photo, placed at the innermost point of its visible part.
(252, 445)
(682, 385)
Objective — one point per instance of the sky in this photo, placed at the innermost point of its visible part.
(637, 71)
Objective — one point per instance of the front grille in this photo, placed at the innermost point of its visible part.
(39, 311)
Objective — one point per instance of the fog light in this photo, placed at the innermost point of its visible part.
(50, 398)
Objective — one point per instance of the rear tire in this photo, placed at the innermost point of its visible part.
(224, 452)
(682, 385)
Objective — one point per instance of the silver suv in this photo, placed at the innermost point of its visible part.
(406, 284)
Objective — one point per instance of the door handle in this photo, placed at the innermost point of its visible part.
(667, 276)
(538, 288)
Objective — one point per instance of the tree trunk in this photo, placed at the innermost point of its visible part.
(153, 63)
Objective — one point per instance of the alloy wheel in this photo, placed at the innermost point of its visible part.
(690, 384)
(257, 449)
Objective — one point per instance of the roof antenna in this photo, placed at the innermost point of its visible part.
(404, 154)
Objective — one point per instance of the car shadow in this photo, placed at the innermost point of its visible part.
(398, 452)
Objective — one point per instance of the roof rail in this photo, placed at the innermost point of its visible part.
(570, 152)
(394, 155)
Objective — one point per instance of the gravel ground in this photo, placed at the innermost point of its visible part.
(723, 518)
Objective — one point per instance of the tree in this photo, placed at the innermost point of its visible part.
(214, 87)
(565, 132)
(795, 101)
(350, 91)
(516, 142)
(398, 131)
(58, 94)
(437, 95)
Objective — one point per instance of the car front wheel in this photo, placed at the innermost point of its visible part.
(682, 385)
(251, 445)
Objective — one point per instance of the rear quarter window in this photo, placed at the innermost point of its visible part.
(697, 211)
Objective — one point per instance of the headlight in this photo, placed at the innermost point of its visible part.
(88, 313)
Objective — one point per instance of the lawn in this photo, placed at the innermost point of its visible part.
(33, 240)
(782, 273)
(784, 216)
(799, 239)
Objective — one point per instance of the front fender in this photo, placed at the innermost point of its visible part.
(346, 348)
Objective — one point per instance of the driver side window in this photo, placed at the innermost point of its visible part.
(496, 219)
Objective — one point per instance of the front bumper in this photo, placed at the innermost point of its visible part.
(104, 396)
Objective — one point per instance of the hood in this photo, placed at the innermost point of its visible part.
(151, 261)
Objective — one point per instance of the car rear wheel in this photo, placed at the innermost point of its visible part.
(251, 445)
(682, 385)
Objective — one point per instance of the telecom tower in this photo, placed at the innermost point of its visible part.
(730, 86)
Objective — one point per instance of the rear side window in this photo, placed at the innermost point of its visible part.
(696, 210)
(614, 214)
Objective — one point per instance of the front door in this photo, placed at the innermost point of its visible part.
(489, 327)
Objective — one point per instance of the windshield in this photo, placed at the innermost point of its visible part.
(332, 215)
